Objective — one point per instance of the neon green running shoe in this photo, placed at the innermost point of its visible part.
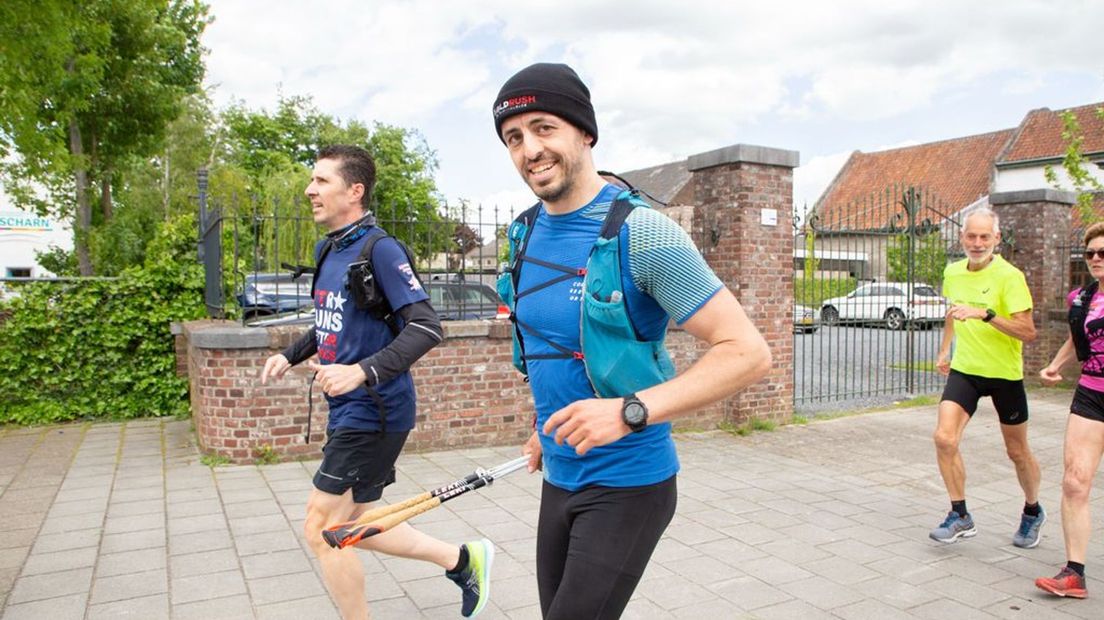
(475, 579)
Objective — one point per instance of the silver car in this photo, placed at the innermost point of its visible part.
(805, 320)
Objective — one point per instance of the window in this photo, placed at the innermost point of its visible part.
(19, 272)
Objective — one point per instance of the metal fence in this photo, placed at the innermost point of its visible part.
(867, 290)
(259, 256)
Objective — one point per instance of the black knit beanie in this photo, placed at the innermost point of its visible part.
(547, 87)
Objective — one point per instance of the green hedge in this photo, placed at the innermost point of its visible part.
(102, 349)
(812, 291)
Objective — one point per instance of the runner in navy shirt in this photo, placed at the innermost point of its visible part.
(363, 369)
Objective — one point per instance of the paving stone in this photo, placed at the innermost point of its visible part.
(203, 562)
(132, 541)
(266, 542)
(198, 523)
(206, 586)
(285, 588)
(200, 541)
(749, 593)
(49, 543)
(57, 561)
(275, 563)
(50, 585)
(70, 607)
(673, 592)
(321, 608)
(120, 587)
(134, 523)
(127, 562)
(235, 607)
(13, 557)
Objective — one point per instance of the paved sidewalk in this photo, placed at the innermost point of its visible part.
(825, 520)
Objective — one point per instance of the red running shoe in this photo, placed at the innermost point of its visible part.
(1065, 583)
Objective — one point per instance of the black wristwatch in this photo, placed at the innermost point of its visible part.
(634, 413)
(989, 315)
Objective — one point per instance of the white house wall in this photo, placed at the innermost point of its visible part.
(1017, 179)
(22, 233)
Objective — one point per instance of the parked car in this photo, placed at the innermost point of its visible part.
(894, 304)
(267, 294)
(465, 300)
(805, 320)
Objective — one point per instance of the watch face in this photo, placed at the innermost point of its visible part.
(634, 413)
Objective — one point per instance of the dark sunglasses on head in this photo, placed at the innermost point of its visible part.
(1090, 254)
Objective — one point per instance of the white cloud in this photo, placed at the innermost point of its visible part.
(668, 79)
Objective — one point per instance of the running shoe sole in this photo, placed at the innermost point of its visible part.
(1073, 593)
(485, 591)
(970, 533)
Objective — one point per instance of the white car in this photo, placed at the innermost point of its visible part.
(894, 304)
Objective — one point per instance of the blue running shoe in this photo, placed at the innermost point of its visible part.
(475, 580)
(1028, 534)
(953, 528)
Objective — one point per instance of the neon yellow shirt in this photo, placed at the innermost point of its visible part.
(981, 349)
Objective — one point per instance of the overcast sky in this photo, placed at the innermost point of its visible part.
(668, 79)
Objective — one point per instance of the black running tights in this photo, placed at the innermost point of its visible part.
(593, 546)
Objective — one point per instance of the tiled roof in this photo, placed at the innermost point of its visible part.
(1040, 134)
(1082, 221)
(951, 173)
(664, 181)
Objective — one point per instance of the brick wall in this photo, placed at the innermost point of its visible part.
(742, 190)
(469, 394)
(1039, 221)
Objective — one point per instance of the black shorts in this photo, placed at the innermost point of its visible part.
(363, 461)
(1088, 403)
(1009, 397)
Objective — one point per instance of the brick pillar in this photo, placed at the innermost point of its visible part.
(1039, 221)
(745, 196)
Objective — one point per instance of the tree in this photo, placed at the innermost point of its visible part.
(277, 151)
(88, 86)
(929, 258)
(1076, 165)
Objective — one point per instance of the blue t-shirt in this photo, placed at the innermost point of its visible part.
(663, 276)
(347, 334)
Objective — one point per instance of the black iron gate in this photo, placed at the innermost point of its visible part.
(868, 310)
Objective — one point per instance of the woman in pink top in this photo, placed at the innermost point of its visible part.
(1085, 428)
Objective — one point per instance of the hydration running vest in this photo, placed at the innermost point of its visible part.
(616, 360)
(1078, 313)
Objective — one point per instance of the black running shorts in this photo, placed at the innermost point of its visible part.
(363, 461)
(1088, 403)
(1009, 397)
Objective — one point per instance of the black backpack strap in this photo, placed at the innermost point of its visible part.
(388, 316)
(1078, 312)
(618, 213)
(321, 251)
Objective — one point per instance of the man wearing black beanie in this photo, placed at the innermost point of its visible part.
(594, 278)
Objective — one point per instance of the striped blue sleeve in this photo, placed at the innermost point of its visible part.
(665, 264)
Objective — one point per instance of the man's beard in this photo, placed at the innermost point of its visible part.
(555, 192)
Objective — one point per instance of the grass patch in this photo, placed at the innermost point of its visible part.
(265, 455)
(799, 419)
(214, 460)
(747, 428)
(926, 366)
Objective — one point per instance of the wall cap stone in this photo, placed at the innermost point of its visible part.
(1033, 195)
(744, 153)
(213, 334)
